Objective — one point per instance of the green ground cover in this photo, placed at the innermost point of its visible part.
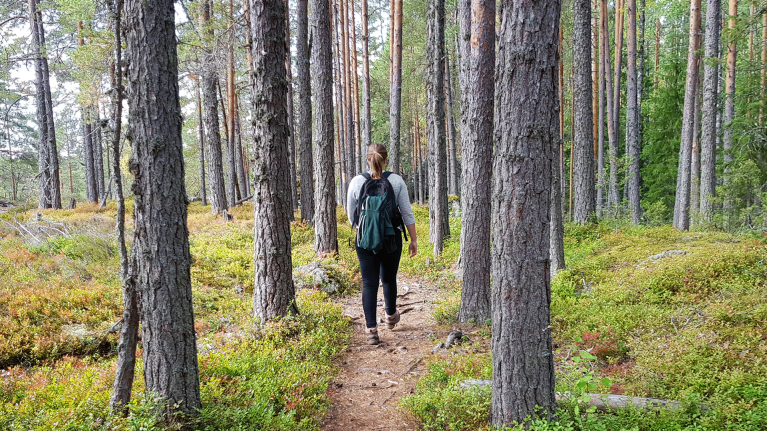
(688, 325)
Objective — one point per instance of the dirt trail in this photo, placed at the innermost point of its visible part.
(366, 392)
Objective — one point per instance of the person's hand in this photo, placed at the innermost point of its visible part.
(413, 248)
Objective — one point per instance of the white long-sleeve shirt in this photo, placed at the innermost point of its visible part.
(400, 194)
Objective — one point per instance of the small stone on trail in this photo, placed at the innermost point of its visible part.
(455, 337)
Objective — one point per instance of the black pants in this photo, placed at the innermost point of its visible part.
(375, 266)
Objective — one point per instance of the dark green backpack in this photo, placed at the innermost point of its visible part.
(377, 216)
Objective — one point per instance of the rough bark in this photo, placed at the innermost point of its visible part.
(359, 160)
(395, 90)
(243, 171)
(584, 194)
(439, 227)
(613, 194)
(91, 191)
(48, 159)
(709, 110)
(218, 199)
(291, 116)
(325, 228)
(600, 154)
(367, 125)
(272, 201)
(729, 101)
(682, 202)
(477, 156)
(695, 161)
(632, 117)
(526, 131)
(161, 241)
(126, 348)
(201, 140)
(619, 24)
(464, 38)
(305, 112)
(98, 157)
(453, 156)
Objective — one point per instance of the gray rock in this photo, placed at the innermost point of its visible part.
(667, 253)
(455, 337)
(314, 275)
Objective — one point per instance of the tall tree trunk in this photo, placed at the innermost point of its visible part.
(272, 201)
(351, 162)
(305, 112)
(453, 157)
(561, 94)
(339, 103)
(729, 102)
(619, 24)
(463, 11)
(87, 129)
(477, 156)
(359, 160)
(98, 157)
(218, 198)
(709, 111)
(632, 116)
(325, 227)
(420, 173)
(682, 202)
(243, 173)
(126, 348)
(695, 155)
(439, 227)
(600, 132)
(595, 89)
(291, 116)
(395, 90)
(523, 382)
(161, 241)
(91, 191)
(367, 125)
(235, 192)
(201, 140)
(613, 194)
(48, 158)
(585, 199)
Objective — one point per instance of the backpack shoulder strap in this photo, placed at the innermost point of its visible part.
(366, 175)
(386, 174)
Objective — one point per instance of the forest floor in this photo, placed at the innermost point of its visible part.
(366, 394)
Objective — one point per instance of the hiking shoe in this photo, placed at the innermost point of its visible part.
(391, 321)
(372, 335)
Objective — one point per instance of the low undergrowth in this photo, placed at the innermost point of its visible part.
(273, 378)
(663, 314)
(59, 297)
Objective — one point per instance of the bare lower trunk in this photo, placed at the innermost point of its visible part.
(526, 123)
(395, 93)
(452, 156)
(48, 158)
(439, 227)
(477, 156)
(585, 199)
(325, 227)
(305, 112)
(729, 105)
(201, 141)
(632, 118)
(709, 110)
(367, 125)
(213, 134)
(682, 202)
(695, 162)
(272, 201)
(126, 348)
(161, 241)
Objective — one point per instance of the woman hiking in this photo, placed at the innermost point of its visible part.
(378, 205)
